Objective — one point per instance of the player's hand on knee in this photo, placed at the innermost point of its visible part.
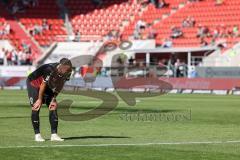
(37, 105)
(53, 106)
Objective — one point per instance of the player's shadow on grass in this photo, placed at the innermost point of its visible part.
(94, 137)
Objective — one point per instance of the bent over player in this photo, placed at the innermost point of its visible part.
(43, 86)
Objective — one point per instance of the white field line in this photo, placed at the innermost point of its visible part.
(121, 144)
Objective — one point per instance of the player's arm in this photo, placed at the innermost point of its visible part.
(37, 105)
(41, 90)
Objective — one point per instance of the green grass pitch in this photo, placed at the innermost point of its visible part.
(205, 118)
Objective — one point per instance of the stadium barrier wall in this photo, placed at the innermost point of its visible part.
(180, 85)
(16, 71)
(218, 72)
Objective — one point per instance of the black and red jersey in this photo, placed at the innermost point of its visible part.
(48, 73)
(42, 74)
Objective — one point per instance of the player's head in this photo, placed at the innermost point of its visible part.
(64, 67)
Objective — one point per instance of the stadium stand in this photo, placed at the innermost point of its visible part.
(43, 22)
(17, 36)
(44, 18)
(150, 15)
(219, 19)
(109, 16)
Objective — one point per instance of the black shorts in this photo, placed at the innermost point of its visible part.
(33, 94)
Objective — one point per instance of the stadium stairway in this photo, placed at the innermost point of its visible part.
(17, 33)
(21, 34)
(50, 11)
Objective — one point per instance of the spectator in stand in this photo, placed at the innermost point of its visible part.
(159, 3)
(203, 31)
(154, 2)
(152, 33)
(176, 32)
(167, 43)
(45, 25)
(26, 47)
(192, 21)
(139, 26)
(34, 3)
(177, 63)
(37, 29)
(14, 57)
(29, 51)
(9, 57)
(131, 61)
(1, 29)
(14, 8)
(221, 43)
(2, 56)
(203, 42)
(18, 6)
(77, 36)
(113, 35)
(143, 34)
(188, 22)
(22, 58)
(26, 3)
(200, 31)
(162, 63)
(31, 29)
(142, 2)
(229, 31)
(97, 2)
(235, 31)
(28, 59)
(21, 5)
(162, 4)
(223, 31)
(185, 23)
(213, 41)
(219, 2)
(7, 28)
(180, 69)
(216, 33)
